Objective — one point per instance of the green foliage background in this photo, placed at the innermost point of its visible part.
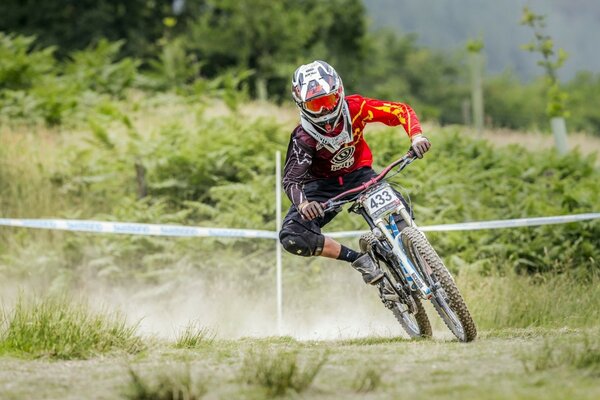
(219, 171)
(254, 46)
(168, 135)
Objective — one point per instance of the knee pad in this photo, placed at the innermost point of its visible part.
(300, 241)
(296, 244)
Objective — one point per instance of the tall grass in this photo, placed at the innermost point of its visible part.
(280, 371)
(25, 159)
(194, 336)
(55, 327)
(176, 384)
(520, 301)
(367, 381)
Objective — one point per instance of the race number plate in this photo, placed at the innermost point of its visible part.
(381, 201)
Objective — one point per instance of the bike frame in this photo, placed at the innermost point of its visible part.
(385, 225)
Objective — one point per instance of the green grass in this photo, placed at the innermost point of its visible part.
(281, 370)
(583, 354)
(54, 327)
(368, 380)
(520, 301)
(194, 336)
(498, 365)
(176, 384)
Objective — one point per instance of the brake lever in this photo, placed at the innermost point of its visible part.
(332, 206)
(409, 158)
(327, 206)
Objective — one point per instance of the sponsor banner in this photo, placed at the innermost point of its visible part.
(497, 224)
(132, 228)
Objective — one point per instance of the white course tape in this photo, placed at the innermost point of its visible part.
(506, 223)
(135, 228)
(193, 231)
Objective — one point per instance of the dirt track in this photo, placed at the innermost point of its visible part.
(506, 364)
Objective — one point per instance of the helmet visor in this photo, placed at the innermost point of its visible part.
(322, 104)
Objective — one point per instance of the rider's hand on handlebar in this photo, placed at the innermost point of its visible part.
(311, 210)
(420, 145)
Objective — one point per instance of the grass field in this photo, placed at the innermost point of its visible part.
(361, 351)
(516, 364)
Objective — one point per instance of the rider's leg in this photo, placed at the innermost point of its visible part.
(303, 238)
(363, 263)
(331, 248)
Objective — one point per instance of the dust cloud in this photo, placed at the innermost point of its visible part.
(338, 306)
(345, 308)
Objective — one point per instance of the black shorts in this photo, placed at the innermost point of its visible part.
(302, 237)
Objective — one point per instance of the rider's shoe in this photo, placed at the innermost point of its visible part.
(366, 266)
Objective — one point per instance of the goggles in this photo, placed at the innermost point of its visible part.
(326, 103)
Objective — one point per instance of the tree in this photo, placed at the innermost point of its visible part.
(476, 61)
(551, 62)
(273, 38)
(75, 24)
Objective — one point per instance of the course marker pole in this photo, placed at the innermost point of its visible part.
(277, 245)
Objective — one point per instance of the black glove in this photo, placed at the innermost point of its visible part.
(311, 210)
(420, 145)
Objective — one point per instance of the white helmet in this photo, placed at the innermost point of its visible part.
(318, 91)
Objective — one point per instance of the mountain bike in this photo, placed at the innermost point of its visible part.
(413, 271)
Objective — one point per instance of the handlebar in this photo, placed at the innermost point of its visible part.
(334, 202)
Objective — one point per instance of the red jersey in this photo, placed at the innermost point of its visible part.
(308, 160)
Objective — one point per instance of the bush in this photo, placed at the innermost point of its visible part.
(37, 89)
(504, 183)
(207, 175)
(98, 69)
(21, 65)
(30, 86)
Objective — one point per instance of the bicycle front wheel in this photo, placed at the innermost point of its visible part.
(446, 299)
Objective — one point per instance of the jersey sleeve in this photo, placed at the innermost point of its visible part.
(391, 114)
(296, 170)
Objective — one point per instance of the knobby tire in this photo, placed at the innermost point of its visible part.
(421, 319)
(414, 240)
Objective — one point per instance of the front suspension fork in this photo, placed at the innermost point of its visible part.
(410, 273)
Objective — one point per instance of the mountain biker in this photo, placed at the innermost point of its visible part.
(328, 154)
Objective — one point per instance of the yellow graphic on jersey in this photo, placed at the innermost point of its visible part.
(394, 110)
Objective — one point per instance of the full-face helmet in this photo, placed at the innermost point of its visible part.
(318, 91)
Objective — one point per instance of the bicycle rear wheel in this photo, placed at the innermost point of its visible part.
(416, 323)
